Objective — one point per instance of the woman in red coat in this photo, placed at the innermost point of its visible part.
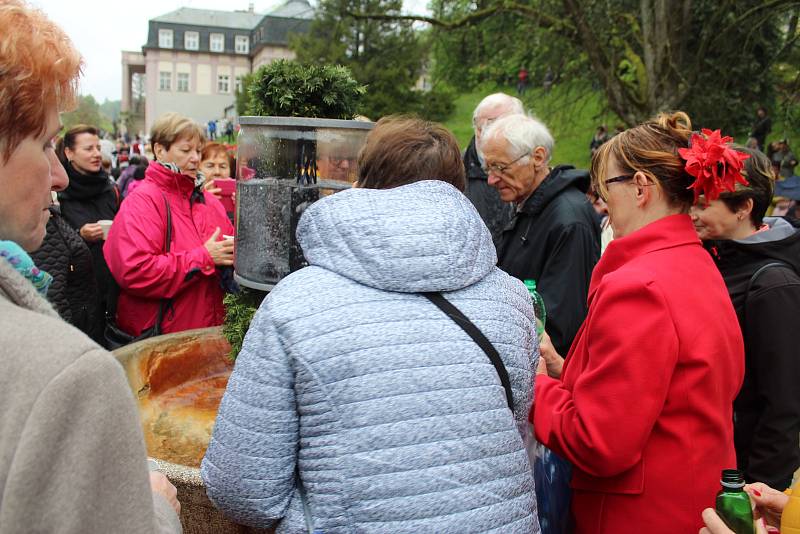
(643, 406)
(189, 273)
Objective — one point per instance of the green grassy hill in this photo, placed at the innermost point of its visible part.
(572, 112)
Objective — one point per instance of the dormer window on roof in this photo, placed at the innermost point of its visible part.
(216, 42)
(164, 38)
(242, 44)
(191, 40)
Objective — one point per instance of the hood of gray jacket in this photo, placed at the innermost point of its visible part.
(425, 236)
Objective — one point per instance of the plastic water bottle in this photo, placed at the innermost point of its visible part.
(538, 306)
(733, 504)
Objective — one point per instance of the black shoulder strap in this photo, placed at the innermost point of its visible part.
(752, 281)
(168, 243)
(761, 270)
(165, 303)
(477, 336)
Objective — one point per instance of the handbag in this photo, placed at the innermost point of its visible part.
(115, 337)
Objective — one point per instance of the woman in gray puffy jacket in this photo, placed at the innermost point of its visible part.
(358, 406)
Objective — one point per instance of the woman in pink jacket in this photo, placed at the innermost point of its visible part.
(188, 270)
(643, 407)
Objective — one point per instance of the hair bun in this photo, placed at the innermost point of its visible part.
(677, 124)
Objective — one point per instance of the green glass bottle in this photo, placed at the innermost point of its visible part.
(733, 504)
(538, 306)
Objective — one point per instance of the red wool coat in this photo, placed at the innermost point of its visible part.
(135, 255)
(643, 409)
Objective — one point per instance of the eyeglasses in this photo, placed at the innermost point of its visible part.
(501, 169)
(616, 179)
(623, 178)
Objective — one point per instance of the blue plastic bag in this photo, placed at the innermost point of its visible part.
(552, 475)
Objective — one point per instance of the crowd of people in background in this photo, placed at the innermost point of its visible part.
(669, 272)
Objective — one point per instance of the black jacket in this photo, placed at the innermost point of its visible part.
(65, 256)
(555, 239)
(767, 409)
(88, 199)
(494, 212)
(761, 128)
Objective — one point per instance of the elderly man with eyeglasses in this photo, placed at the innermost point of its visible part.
(495, 212)
(554, 237)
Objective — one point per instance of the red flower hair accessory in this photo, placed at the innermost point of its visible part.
(714, 164)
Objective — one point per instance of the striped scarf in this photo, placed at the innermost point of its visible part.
(19, 260)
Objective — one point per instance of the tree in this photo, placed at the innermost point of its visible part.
(87, 112)
(709, 57)
(384, 55)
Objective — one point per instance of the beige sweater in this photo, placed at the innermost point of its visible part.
(72, 455)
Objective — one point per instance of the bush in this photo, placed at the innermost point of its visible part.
(437, 104)
(288, 89)
(239, 311)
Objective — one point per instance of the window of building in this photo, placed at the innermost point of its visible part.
(223, 83)
(164, 81)
(238, 84)
(165, 38)
(242, 44)
(183, 82)
(191, 40)
(216, 42)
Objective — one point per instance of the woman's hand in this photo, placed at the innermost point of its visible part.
(91, 232)
(210, 187)
(221, 251)
(715, 524)
(550, 361)
(769, 502)
(161, 485)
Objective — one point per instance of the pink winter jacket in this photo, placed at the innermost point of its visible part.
(146, 274)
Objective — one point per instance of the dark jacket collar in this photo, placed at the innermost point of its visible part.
(668, 232)
(472, 163)
(780, 243)
(85, 186)
(559, 179)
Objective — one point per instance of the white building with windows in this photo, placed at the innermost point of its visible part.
(194, 59)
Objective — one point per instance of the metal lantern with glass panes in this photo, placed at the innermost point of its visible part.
(284, 164)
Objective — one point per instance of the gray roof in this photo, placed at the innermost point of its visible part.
(298, 9)
(209, 17)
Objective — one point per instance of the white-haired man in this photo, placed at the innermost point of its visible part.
(554, 237)
(494, 212)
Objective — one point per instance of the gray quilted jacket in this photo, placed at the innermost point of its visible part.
(357, 391)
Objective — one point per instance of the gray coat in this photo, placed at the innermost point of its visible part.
(394, 419)
(72, 454)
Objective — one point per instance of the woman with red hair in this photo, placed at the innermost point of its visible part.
(72, 454)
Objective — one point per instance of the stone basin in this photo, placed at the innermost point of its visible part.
(178, 380)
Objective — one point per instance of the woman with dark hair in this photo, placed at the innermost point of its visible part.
(759, 259)
(354, 397)
(643, 407)
(90, 198)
